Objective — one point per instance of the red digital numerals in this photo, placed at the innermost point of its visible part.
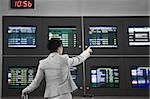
(23, 4)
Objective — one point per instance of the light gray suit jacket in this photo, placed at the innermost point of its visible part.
(56, 70)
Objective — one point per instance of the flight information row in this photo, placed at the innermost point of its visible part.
(100, 76)
(98, 36)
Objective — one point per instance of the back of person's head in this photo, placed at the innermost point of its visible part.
(54, 44)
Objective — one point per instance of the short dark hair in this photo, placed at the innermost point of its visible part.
(53, 44)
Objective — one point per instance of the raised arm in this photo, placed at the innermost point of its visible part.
(80, 58)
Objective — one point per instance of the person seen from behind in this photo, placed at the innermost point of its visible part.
(56, 71)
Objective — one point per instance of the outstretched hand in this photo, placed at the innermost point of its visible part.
(89, 49)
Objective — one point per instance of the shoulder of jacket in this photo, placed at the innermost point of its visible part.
(65, 57)
(43, 61)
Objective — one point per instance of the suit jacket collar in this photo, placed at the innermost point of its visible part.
(53, 54)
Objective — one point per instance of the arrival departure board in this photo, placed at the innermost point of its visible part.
(140, 77)
(105, 77)
(139, 36)
(103, 36)
(68, 35)
(21, 36)
(74, 73)
(20, 77)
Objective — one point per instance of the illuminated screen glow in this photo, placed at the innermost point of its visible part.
(140, 77)
(68, 35)
(73, 71)
(75, 76)
(20, 77)
(103, 36)
(139, 36)
(21, 36)
(105, 77)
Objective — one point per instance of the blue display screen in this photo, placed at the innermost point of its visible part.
(103, 36)
(140, 77)
(21, 36)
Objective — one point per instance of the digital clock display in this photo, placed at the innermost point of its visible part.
(23, 4)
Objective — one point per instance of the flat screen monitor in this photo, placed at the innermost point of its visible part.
(73, 71)
(103, 36)
(104, 77)
(68, 34)
(22, 36)
(20, 76)
(75, 76)
(139, 36)
(140, 77)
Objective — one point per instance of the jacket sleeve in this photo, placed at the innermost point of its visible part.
(78, 59)
(36, 82)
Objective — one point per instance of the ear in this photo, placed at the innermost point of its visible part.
(58, 49)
